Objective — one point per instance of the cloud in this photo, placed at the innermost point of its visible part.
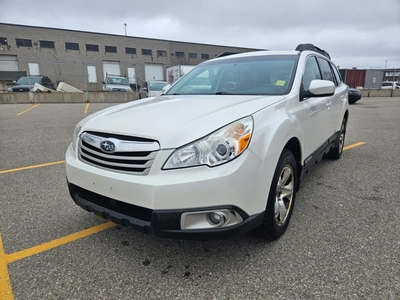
(360, 33)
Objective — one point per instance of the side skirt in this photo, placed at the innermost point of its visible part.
(311, 161)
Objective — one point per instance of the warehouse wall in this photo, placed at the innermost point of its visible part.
(70, 66)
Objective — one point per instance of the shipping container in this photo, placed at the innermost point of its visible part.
(355, 78)
(373, 79)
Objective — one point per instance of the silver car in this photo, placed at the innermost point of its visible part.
(116, 84)
(151, 88)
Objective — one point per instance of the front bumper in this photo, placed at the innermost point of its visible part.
(162, 223)
(155, 203)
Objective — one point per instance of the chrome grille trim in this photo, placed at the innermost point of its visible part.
(129, 157)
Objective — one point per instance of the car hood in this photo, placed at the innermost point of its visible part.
(176, 120)
(118, 86)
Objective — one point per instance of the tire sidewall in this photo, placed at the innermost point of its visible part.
(275, 230)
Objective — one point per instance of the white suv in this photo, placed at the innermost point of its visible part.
(220, 154)
(390, 85)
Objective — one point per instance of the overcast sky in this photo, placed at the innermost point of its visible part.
(356, 33)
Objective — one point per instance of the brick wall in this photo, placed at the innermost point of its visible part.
(71, 65)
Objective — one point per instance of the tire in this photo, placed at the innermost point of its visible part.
(281, 198)
(336, 152)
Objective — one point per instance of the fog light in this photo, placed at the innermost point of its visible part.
(217, 218)
(209, 219)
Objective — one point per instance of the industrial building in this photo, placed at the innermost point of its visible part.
(82, 59)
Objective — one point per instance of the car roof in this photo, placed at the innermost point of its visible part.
(300, 48)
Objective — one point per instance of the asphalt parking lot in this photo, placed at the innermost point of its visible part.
(343, 241)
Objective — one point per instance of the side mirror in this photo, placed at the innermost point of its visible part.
(321, 88)
(103, 82)
(145, 89)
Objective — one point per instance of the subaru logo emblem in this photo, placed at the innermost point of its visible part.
(107, 146)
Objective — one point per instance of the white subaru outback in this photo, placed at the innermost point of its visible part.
(220, 154)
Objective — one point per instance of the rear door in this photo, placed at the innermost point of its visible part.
(335, 102)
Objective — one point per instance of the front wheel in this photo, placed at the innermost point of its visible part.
(281, 198)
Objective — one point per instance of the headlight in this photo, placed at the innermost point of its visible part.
(217, 148)
(75, 135)
(78, 127)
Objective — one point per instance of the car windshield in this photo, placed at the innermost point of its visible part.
(28, 80)
(387, 84)
(157, 86)
(117, 80)
(254, 75)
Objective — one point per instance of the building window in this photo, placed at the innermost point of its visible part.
(23, 43)
(205, 56)
(161, 53)
(90, 47)
(3, 41)
(111, 49)
(179, 54)
(46, 44)
(147, 52)
(71, 46)
(192, 55)
(130, 50)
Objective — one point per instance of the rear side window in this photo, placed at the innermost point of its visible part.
(337, 74)
(326, 70)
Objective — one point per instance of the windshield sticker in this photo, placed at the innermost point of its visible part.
(280, 82)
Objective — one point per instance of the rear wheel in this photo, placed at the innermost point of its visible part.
(281, 198)
(336, 152)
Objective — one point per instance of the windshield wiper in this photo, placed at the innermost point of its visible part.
(222, 93)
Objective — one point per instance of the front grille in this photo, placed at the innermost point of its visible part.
(118, 90)
(124, 154)
(18, 89)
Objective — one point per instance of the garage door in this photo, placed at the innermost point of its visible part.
(8, 63)
(153, 72)
(111, 68)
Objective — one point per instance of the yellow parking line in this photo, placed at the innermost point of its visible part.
(63, 161)
(86, 108)
(9, 258)
(353, 145)
(32, 167)
(28, 109)
(5, 284)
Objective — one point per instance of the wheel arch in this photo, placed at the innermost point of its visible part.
(346, 116)
(293, 145)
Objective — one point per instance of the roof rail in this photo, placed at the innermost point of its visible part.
(312, 47)
(224, 54)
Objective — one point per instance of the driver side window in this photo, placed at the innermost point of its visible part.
(311, 72)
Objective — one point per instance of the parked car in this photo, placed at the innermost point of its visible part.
(390, 85)
(151, 88)
(114, 83)
(27, 83)
(217, 160)
(354, 95)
